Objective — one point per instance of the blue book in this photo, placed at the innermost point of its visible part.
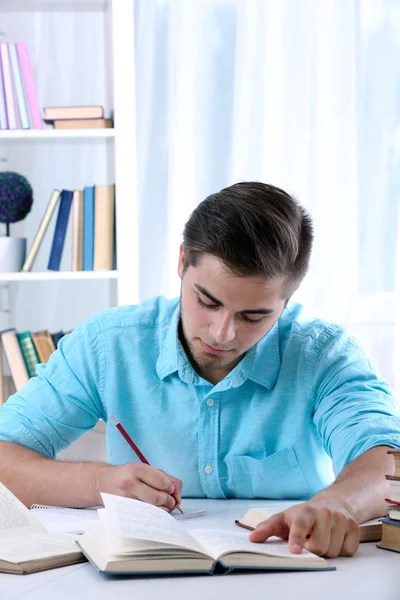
(56, 337)
(60, 230)
(88, 228)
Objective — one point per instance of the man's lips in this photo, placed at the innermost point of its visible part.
(211, 350)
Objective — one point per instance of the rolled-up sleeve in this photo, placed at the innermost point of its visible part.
(63, 401)
(355, 410)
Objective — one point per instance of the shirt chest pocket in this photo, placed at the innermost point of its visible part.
(278, 476)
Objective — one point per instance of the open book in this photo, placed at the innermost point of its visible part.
(370, 531)
(25, 545)
(133, 537)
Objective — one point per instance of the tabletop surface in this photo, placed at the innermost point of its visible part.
(372, 574)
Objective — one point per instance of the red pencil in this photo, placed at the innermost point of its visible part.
(132, 444)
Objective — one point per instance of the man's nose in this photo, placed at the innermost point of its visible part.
(223, 329)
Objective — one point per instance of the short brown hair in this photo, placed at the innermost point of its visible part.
(255, 229)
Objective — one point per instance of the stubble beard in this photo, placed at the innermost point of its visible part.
(204, 361)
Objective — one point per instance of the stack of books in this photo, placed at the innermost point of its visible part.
(24, 351)
(391, 523)
(93, 231)
(19, 108)
(76, 117)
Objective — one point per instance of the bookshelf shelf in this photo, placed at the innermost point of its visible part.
(57, 276)
(55, 134)
(52, 5)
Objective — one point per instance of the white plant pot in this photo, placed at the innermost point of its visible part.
(12, 254)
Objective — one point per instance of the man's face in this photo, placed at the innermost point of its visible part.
(223, 315)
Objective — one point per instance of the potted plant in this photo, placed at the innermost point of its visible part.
(16, 198)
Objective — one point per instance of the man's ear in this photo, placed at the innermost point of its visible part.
(181, 261)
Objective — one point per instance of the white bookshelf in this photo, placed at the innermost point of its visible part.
(56, 134)
(107, 27)
(120, 140)
(57, 276)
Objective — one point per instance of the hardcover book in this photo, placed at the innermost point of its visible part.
(390, 535)
(3, 110)
(15, 358)
(396, 456)
(19, 87)
(60, 231)
(53, 113)
(28, 352)
(82, 124)
(30, 259)
(88, 228)
(29, 85)
(104, 207)
(25, 545)
(77, 231)
(8, 86)
(44, 345)
(137, 538)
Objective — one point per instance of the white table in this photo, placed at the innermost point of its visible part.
(370, 575)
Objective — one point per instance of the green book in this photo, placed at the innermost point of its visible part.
(28, 352)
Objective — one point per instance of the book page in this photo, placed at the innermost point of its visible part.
(33, 547)
(15, 518)
(217, 543)
(116, 544)
(137, 520)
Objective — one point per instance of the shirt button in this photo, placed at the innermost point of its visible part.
(208, 469)
(210, 402)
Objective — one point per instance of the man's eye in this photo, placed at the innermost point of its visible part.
(200, 301)
(248, 320)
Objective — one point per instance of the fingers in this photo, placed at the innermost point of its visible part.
(351, 540)
(300, 527)
(275, 525)
(151, 485)
(153, 496)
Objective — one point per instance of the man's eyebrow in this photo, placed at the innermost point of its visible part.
(250, 311)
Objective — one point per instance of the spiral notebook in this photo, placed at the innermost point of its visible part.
(78, 520)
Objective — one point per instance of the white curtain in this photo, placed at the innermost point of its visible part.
(303, 94)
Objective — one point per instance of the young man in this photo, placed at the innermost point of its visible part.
(229, 391)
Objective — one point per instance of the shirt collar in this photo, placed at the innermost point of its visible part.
(261, 363)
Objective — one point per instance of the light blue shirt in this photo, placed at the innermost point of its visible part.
(301, 401)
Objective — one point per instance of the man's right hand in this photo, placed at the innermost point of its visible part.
(142, 482)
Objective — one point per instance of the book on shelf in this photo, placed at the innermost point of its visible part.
(88, 228)
(60, 230)
(19, 108)
(56, 337)
(3, 109)
(20, 96)
(29, 85)
(137, 538)
(14, 356)
(28, 352)
(51, 206)
(77, 231)
(25, 544)
(54, 113)
(104, 211)
(8, 86)
(93, 229)
(44, 344)
(82, 124)
(370, 531)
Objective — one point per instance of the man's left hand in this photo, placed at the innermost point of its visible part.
(322, 526)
